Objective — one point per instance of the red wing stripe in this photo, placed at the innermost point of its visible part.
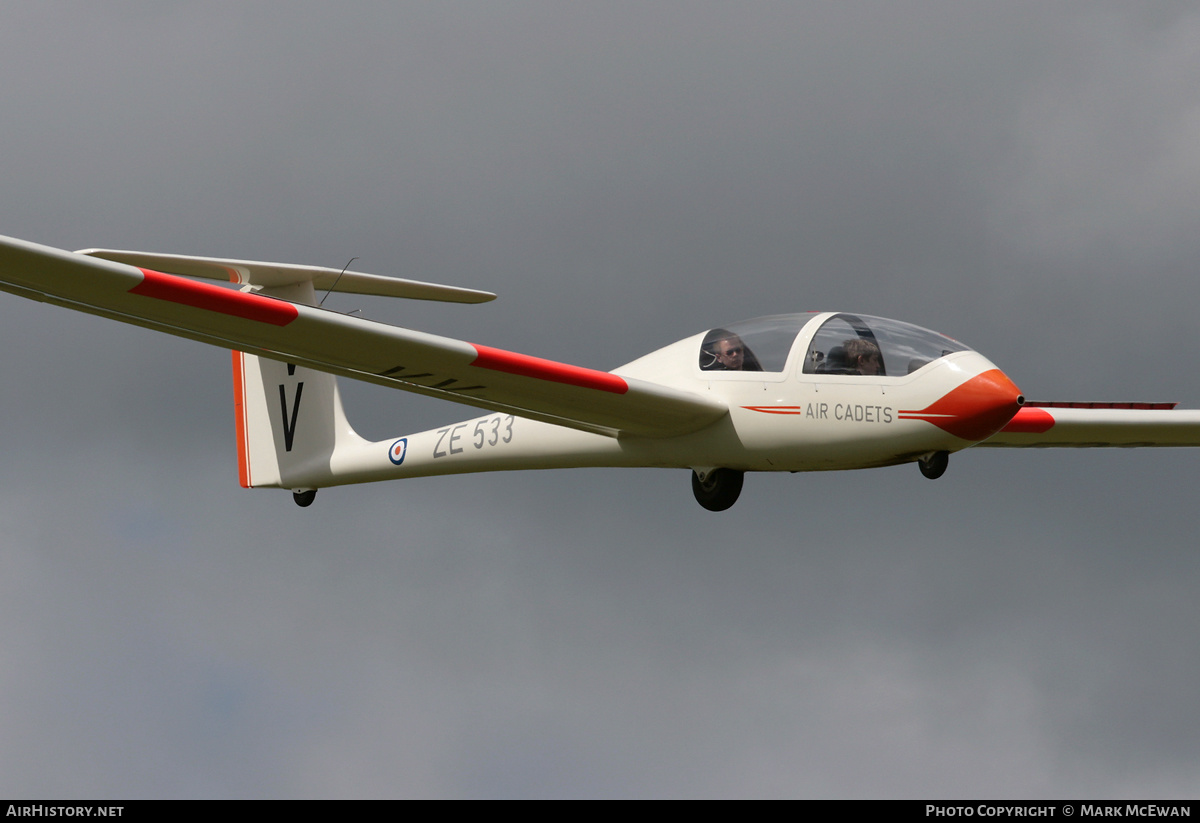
(537, 368)
(1030, 420)
(1061, 404)
(211, 297)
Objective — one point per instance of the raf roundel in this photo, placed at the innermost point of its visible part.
(396, 452)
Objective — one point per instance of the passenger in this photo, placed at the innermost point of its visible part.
(722, 350)
(863, 356)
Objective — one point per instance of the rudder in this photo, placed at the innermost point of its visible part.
(290, 419)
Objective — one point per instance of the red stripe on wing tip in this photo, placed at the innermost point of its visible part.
(537, 368)
(211, 297)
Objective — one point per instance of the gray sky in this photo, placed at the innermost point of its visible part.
(1022, 176)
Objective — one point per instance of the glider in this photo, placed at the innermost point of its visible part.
(793, 392)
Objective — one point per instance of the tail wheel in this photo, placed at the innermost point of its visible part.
(305, 499)
(719, 490)
(934, 466)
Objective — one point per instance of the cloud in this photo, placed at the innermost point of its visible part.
(623, 176)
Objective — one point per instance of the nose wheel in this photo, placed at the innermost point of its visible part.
(934, 465)
(717, 489)
(305, 499)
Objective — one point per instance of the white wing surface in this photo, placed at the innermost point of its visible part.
(1098, 425)
(353, 347)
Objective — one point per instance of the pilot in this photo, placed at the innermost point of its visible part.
(862, 356)
(722, 350)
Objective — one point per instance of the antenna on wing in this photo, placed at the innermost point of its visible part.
(335, 282)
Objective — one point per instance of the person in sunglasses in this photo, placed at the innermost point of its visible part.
(722, 350)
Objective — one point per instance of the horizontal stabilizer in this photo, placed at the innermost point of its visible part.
(256, 273)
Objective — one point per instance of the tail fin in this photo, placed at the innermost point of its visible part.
(289, 418)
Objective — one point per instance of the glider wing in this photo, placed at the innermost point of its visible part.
(305, 335)
(1095, 425)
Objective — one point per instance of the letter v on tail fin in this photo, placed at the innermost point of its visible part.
(290, 421)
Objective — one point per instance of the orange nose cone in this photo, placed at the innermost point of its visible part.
(975, 410)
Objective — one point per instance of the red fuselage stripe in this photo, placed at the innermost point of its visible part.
(215, 298)
(975, 410)
(526, 366)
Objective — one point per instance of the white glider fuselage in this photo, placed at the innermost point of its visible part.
(785, 420)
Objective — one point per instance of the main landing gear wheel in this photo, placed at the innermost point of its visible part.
(934, 466)
(305, 499)
(719, 490)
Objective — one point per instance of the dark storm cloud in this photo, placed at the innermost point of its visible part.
(1021, 177)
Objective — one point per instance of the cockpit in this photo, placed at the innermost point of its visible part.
(842, 344)
(760, 345)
